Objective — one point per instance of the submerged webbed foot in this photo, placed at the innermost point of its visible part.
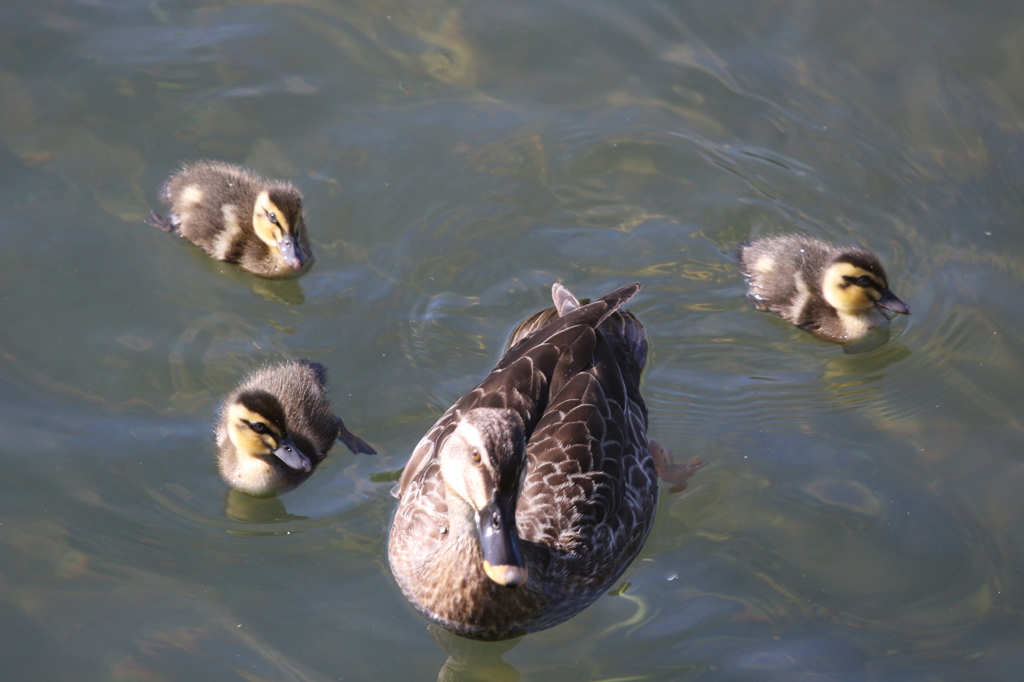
(157, 220)
(352, 441)
(670, 472)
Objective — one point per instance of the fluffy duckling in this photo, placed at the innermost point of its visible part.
(238, 217)
(835, 293)
(276, 427)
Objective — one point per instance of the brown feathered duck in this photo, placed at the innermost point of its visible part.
(534, 492)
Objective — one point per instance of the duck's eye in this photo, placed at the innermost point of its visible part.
(259, 427)
(496, 521)
(272, 217)
(865, 281)
(476, 456)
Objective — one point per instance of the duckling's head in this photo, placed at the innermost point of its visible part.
(278, 222)
(483, 462)
(855, 282)
(256, 427)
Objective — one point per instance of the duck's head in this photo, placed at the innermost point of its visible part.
(256, 427)
(278, 222)
(483, 462)
(855, 282)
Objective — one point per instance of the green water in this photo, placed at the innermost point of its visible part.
(860, 515)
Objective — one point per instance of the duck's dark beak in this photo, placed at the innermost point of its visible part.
(291, 252)
(503, 562)
(890, 302)
(292, 456)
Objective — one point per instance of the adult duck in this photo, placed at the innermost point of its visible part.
(532, 494)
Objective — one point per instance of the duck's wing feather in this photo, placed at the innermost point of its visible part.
(591, 484)
(621, 323)
(534, 368)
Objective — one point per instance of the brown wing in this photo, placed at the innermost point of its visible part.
(522, 380)
(591, 486)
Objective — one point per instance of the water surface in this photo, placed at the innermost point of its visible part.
(859, 517)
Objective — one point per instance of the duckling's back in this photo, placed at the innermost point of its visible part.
(785, 272)
(211, 205)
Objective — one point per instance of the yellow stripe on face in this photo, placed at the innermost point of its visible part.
(843, 270)
(846, 296)
(240, 429)
(269, 232)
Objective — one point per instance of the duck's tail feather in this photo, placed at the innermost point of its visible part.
(565, 302)
(619, 322)
(617, 299)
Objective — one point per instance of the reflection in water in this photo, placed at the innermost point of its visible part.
(287, 291)
(86, 604)
(242, 507)
(470, 660)
(859, 517)
(858, 381)
(869, 343)
(212, 351)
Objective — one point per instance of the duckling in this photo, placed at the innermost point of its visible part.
(277, 426)
(835, 293)
(238, 217)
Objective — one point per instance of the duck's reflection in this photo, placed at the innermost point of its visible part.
(471, 660)
(288, 291)
(248, 509)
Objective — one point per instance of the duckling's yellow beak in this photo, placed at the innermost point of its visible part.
(503, 562)
(292, 456)
(291, 252)
(890, 302)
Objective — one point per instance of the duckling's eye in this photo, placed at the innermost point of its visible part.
(259, 427)
(496, 521)
(865, 281)
(476, 455)
(272, 217)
